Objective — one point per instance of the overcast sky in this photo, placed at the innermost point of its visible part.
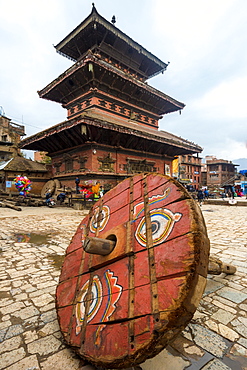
(204, 41)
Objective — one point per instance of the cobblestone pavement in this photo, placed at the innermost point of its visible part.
(32, 245)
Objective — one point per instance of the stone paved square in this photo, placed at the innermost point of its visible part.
(30, 337)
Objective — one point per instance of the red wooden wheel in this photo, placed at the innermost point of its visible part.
(119, 309)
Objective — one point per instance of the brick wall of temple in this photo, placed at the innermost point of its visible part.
(105, 164)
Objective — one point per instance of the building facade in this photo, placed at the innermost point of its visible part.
(13, 164)
(187, 169)
(10, 137)
(37, 173)
(111, 130)
(220, 173)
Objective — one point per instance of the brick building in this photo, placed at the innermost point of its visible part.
(12, 163)
(220, 172)
(10, 137)
(187, 168)
(111, 130)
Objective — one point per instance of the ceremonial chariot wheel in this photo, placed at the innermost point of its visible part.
(134, 272)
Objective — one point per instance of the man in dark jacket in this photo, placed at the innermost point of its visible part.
(77, 182)
(200, 196)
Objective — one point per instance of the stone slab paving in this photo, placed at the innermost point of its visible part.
(32, 246)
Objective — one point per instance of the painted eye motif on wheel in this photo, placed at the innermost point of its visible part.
(162, 223)
(100, 219)
(95, 302)
(103, 297)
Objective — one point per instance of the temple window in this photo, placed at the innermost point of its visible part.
(57, 167)
(82, 161)
(68, 164)
(106, 163)
(138, 166)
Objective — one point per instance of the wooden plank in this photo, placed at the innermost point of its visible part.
(151, 258)
(131, 267)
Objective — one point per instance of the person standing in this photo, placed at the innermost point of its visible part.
(77, 182)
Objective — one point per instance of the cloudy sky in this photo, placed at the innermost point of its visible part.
(204, 41)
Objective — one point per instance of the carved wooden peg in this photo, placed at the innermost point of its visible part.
(216, 267)
(99, 246)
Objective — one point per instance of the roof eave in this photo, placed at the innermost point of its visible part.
(96, 17)
(70, 71)
(148, 134)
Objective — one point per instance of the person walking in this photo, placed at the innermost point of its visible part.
(200, 196)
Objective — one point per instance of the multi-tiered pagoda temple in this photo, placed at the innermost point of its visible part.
(111, 130)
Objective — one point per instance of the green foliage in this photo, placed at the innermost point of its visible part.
(45, 158)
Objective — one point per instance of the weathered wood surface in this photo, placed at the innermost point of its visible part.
(217, 267)
(16, 201)
(8, 204)
(49, 187)
(119, 309)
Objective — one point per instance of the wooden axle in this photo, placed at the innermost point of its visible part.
(99, 246)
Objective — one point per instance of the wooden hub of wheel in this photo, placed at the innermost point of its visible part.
(134, 272)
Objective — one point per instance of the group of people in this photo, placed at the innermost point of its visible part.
(231, 193)
(89, 191)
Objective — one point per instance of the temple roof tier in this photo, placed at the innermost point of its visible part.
(95, 33)
(90, 128)
(94, 73)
